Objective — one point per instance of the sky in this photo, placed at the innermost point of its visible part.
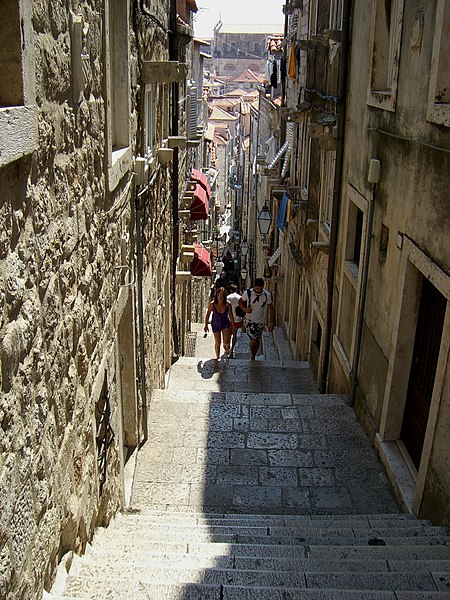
(233, 12)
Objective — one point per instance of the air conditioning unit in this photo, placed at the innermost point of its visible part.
(315, 130)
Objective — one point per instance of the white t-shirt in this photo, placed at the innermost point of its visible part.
(258, 304)
(233, 299)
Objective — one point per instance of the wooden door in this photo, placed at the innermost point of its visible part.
(427, 343)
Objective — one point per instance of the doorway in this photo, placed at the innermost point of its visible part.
(427, 342)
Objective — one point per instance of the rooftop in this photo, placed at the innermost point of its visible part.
(269, 29)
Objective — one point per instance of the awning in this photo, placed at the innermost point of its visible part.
(201, 264)
(201, 178)
(200, 204)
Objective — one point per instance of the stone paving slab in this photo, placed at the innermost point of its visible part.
(300, 506)
(117, 589)
(239, 593)
(372, 581)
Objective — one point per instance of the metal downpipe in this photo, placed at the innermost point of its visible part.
(343, 77)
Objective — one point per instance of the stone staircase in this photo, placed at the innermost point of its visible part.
(253, 486)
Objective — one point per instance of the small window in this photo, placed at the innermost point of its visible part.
(306, 159)
(354, 237)
(18, 111)
(119, 75)
(439, 87)
(336, 14)
(387, 31)
(149, 125)
(11, 84)
(327, 179)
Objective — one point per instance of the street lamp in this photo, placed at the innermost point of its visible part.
(264, 220)
(244, 249)
(243, 273)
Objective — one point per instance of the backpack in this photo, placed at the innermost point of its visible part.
(240, 312)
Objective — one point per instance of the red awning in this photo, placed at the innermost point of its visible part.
(200, 204)
(201, 264)
(201, 178)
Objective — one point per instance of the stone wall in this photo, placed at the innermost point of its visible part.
(67, 289)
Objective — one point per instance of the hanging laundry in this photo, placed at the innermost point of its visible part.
(274, 76)
(283, 71)
(292, 68)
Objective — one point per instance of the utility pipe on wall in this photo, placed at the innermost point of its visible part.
(374, 177)
(343, 76)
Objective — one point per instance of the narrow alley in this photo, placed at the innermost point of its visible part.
(253, 485)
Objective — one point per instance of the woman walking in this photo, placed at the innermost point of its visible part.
(222, 319)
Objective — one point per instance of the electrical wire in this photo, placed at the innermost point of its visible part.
(152, 18)
(406, 139)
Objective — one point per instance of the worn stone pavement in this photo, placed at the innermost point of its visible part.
(237, 436)
(252, 485)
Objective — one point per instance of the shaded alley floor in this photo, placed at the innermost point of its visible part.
(241, 436)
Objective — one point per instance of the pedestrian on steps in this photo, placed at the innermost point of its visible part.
(256, 303)
(233, 299)
(221, 321)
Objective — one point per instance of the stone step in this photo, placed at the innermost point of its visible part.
(138, 528)
(197, 592)
(140, 540)
(269, 348)
(241, 376)
(244, 363)
(119, 559)
(282, 345)
(319, 403)
(240, 593)
(171, 519)
(194, 518)
(329, 552)
(99, 576)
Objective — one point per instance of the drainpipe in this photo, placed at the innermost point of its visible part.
(374, 177)
(174, 55)
(140, 303)
(255, 216)
(343, 77)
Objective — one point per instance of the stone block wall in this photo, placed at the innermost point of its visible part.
(67, 282)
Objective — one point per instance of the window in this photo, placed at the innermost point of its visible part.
(118, 76)
(312, 20)
(306, 158)
(354, 237)
(18, 115)
(439, 87)
(387, 21)
(327, 187)
(118, 90)
(192, 112)
(149, 126)
(336, 14)
(11, 83)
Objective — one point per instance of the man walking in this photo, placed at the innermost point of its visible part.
(256, 302)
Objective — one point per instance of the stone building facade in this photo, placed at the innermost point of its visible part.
(90, 186)
(359, 255)
(391, 336)
(236, 48)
